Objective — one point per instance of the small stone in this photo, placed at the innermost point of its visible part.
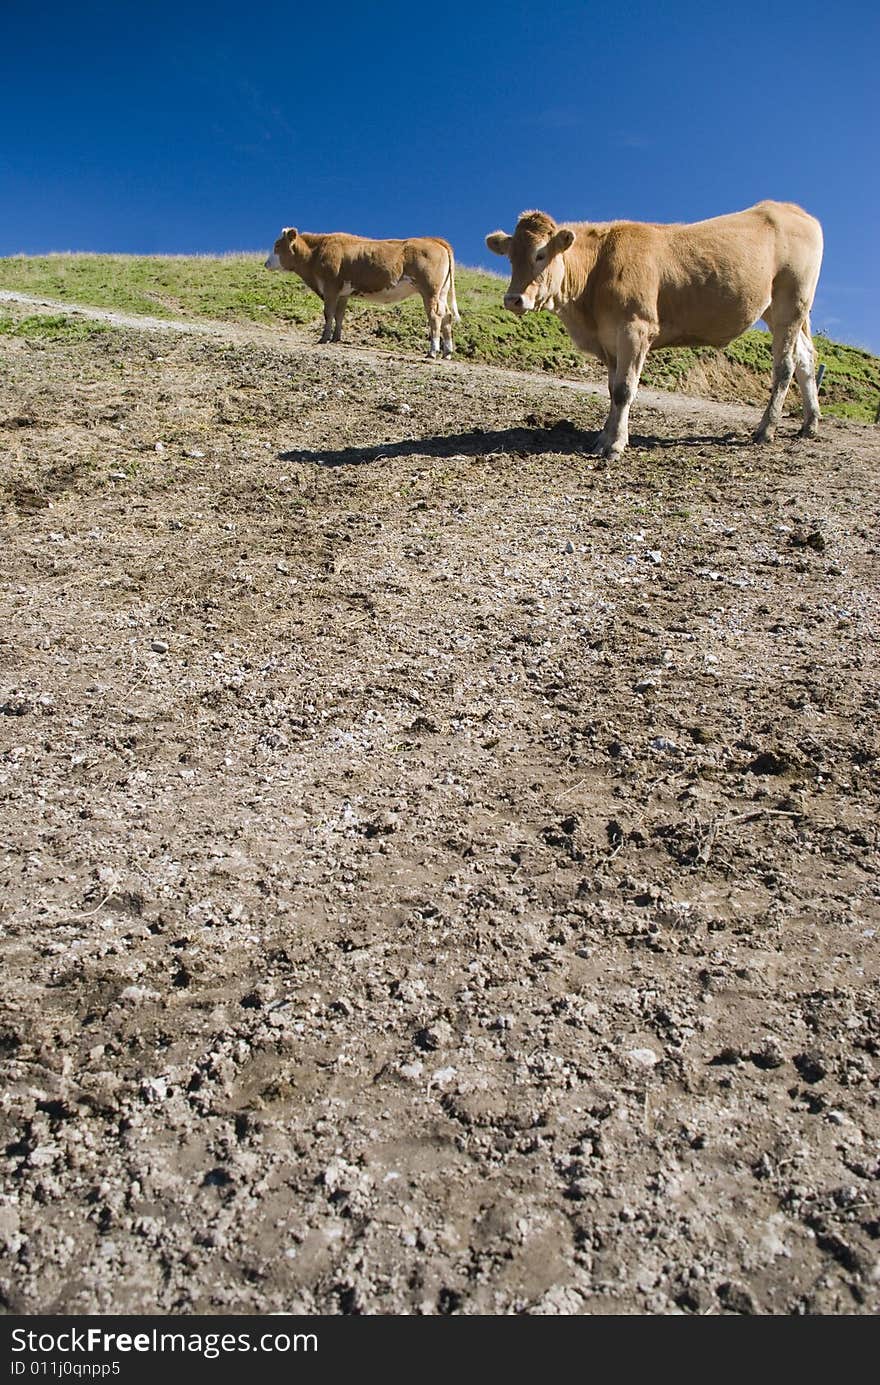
(654, 555)
(195, 453)
(160, 447)
(644, 1057)
(442, 1076)
(118, 476)
(154, 1089)
(810, 1066)
(408, 990)
(137, 995)
(434, 1036)
(569, 546)
(340, 1176)
(159, 647)
(43, 1156)
(384, 824)
(768, 1054)
(262, 995)
(763, 1167)
(691, 1299)
(815, 539)
(618, 751)
(726, 1057)
(9, 1224)
(645, 685)
(736, 1298)
(770, 762)
(558, 1301)
(846, 1196)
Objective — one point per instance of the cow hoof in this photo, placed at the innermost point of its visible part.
(764, 435)
(603, 447)
(809, 430)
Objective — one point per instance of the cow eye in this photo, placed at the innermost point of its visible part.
(540, 256)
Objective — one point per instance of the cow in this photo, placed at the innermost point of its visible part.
(624, 288)
(336, 266)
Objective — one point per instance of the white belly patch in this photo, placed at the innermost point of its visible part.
(395, 294)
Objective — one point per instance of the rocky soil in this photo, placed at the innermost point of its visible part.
(439, 873)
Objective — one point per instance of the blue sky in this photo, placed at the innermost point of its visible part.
(206, 127)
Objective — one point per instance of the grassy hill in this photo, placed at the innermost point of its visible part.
(237, 288)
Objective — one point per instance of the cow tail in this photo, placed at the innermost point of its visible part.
(452, 303)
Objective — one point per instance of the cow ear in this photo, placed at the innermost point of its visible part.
(499, 243)
(290, 234)
(561, 241)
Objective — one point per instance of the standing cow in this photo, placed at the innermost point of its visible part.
(337, 265)
(625, 288)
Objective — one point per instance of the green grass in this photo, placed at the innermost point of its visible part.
(226, 288)
(43, 327)
(236, 288)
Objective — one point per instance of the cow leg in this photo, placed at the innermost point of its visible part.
(436, 313)
(786, 329)
(447, 343)
(805, 374)
(341, 305)
(446, 321)
(633, 343)
(601, 440)
(330, 301)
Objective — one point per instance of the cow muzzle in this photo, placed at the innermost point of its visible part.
(273, 262)
(516, 303)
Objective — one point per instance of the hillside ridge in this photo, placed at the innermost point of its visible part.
(234, 288)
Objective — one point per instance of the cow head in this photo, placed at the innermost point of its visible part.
(535, 252)
(287, 250)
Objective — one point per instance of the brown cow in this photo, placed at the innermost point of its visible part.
(337, 265)
(625, 288)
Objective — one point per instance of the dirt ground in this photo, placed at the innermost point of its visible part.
(439, 873)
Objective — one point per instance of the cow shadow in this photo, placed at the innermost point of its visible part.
(562, 437)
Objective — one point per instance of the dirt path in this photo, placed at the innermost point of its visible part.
(296, 338)
(135, 322)
(438, 875)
